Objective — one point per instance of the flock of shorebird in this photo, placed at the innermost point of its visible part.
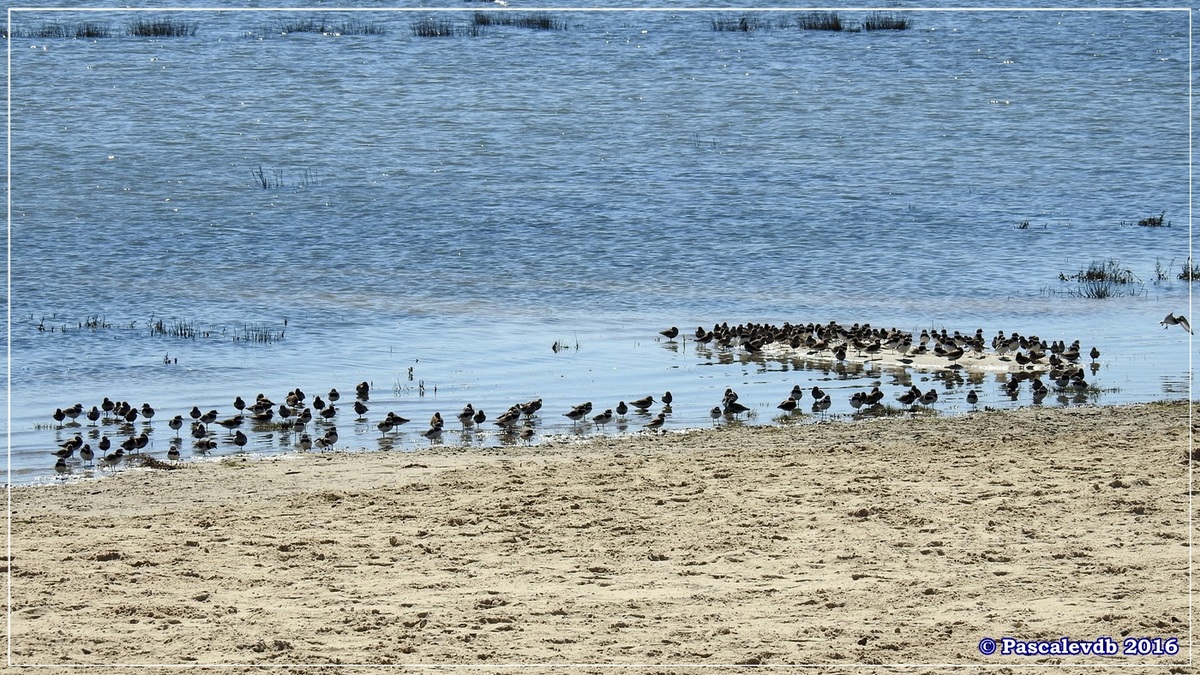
(1030, 358)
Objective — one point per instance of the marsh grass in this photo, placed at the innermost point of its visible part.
(1163, 273)
(161, 28)
(1154, 221)
(1108, 279)
(310, 25)
(830, 21)
(742, 24)
(259, 333)
(434, 28)
(534, 21)
(86, 30)
(880, 21)
(274, 180)
(1191, 271)
(177, 328)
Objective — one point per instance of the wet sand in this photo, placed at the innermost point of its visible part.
(893, 541)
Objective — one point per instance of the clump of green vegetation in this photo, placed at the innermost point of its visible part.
(879, 21)
(1102, 280)
(1191, 271)
(820, 21)
(743, 24)
(1154, 221)
(319, 26)
(162, 28)
(87, 30)
(433, 28)
(177, 328)
(260, 333)
(274, 180)
(535, 21)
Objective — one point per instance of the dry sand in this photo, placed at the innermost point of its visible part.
(895, 541)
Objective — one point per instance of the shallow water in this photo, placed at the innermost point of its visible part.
(459, 205)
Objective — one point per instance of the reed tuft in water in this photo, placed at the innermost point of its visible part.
(434, 28)
(880, 21)
(319, 26)
(1154, 221)
(742, 24)
(535, 21)
(820, 21)
(1108, 279)
(1191, 271)
(86, 30)
(162, 28)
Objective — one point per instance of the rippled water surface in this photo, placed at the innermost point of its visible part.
(436, 215)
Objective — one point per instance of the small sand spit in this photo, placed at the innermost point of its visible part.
(883, 542)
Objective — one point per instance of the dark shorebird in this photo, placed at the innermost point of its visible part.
(305, 442)
(467, 416)
(480, 417)
(360, 409)
(788, 404)
(199, 430)
(433, 434)
(733, 408)
(1173, 320)
(578, 412)
(111, 461)
(60, 468)
(328, 412)
(232, 423)
(817, 393)
(730, 395)
(930, 397)
(107, 406)
(86, 454)
(385, 425)
(93, 415)
(1095, 354)
(797, 393)
(131, 415)
(59, 416)
(531, 407)
(74, 411)
(656, 422)
(363, 390)
(318, 403)
(173, 453)
(104, 444)
(643, 404)
(195, 413)
(622, 408)
(240, 440)
(436, 421)
(972, 398)
(603, 418)
(147, 412)
(238, 404)
(331, 437)
(715, 414)
(209, 417)
(669, 333)
(396, 420)
(141, 441)
(334, 395)
(527, 433)
(667, 398)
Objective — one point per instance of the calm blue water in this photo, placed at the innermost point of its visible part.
(458, 205)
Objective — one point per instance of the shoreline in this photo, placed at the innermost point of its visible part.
(892, 540)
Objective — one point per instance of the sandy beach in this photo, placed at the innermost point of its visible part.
(892, 541)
